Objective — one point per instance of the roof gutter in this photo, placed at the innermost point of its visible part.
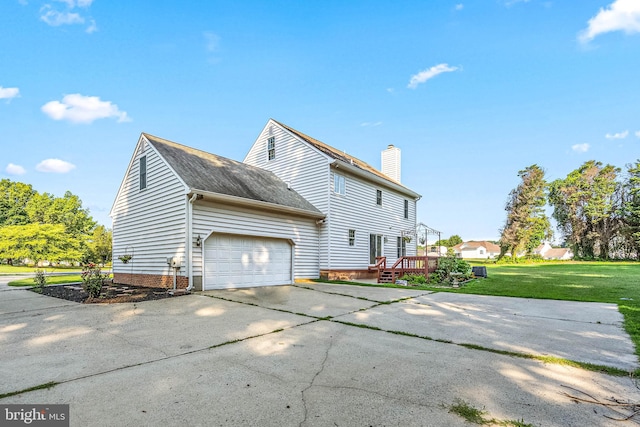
(339, 164)
(258, 204)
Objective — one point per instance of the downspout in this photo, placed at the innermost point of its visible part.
(190, 240)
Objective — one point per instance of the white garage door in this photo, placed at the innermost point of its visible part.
(232, 261)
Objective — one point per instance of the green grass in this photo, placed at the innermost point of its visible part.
(51, 280)
(10, 269)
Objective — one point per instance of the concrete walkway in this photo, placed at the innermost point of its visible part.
(311, 355)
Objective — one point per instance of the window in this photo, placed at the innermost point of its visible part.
(143, 172)
(352, 237)
(402, 246)
(481, 251)
(406, 209)
(271, 148)
(379, 197)
(339, 184)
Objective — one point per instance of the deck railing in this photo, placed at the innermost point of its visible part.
(406, 265)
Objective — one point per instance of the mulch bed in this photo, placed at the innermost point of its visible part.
(112, 293)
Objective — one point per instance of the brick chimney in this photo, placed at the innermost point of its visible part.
(391, 162)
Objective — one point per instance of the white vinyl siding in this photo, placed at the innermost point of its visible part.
(358, 211)
(212, 218)
(149, 225)
(303, 167)
(310, 174)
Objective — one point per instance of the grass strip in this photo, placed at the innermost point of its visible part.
(44, 386)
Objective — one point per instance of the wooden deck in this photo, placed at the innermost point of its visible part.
(404, 265)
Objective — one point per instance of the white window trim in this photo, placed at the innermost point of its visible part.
(339, 184)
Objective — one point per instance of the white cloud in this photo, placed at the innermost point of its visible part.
(373, 124)
(637, 134)
(9, 92)
(459, 6)
(429, 73)
(15, 169)
(73, 3)
(55, 166)
(92, 28)
(55, 18)
(621, 15)
(580, 148)
(619, 135)
(83, 109)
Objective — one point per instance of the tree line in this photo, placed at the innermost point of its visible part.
(596, 209)
(39, 226)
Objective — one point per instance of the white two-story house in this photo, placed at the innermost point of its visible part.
(296, 208)
(368, 211)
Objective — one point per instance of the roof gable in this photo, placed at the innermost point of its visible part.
(472, 245)
(216, 174)
(339, 155)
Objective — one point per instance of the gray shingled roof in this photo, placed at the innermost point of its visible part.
(215, 174)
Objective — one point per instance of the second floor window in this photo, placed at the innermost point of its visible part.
(143, 172)
(406, 209)
(271, 148)
(379, 197)
(339, 184)
(352, 237)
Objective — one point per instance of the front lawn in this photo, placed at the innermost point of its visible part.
(10, 269)
(51, 280)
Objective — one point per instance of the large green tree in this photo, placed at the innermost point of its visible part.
(14, 197)
(526, 225)
(585, 206)
(100, 245)
(21, 205)
(38, 242)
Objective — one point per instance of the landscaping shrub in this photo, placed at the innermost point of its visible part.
(415, 279)
(40, 280)
(92, 279)
(448, 265)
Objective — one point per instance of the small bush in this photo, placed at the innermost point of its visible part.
(415, 279)
(40, 280)
(448, 265)
(92, 280)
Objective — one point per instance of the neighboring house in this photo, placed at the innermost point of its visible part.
(209, 222)
(546, 251)
(433, 251)
(477, 249)
(367, 212)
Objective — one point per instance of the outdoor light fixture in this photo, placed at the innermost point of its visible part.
(198, 240)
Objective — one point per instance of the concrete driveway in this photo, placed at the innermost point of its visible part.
(312, 355)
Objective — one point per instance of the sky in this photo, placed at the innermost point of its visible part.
(470, 91)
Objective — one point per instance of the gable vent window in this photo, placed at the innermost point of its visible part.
(379, 197)
(339, 184)
(406, 209)
(271, 148)
(143, 172)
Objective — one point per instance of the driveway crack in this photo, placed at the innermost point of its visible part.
(322, 366)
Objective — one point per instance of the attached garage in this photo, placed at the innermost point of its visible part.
(237, 261)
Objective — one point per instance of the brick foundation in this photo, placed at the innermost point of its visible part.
(347, 274)
(150, 280)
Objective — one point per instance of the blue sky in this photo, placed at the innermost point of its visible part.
(471, 91)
